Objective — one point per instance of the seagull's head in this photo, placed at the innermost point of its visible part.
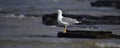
(59, 11)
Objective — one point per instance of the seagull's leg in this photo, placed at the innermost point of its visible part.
(65, 29)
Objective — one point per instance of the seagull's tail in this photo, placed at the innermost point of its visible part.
(78, 22)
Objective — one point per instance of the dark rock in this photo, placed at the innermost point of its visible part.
(50, 19)
(85, 34)
(106, 3)
(117, 6)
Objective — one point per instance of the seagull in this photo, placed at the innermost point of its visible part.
(65, 21)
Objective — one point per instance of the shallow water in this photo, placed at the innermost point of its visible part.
(29, 32)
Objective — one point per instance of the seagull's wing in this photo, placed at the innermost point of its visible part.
(69, 20)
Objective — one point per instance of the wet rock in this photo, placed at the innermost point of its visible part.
(85, 34)
(51, 19)
(106, 3)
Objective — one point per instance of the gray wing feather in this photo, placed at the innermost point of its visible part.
(69, 20)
